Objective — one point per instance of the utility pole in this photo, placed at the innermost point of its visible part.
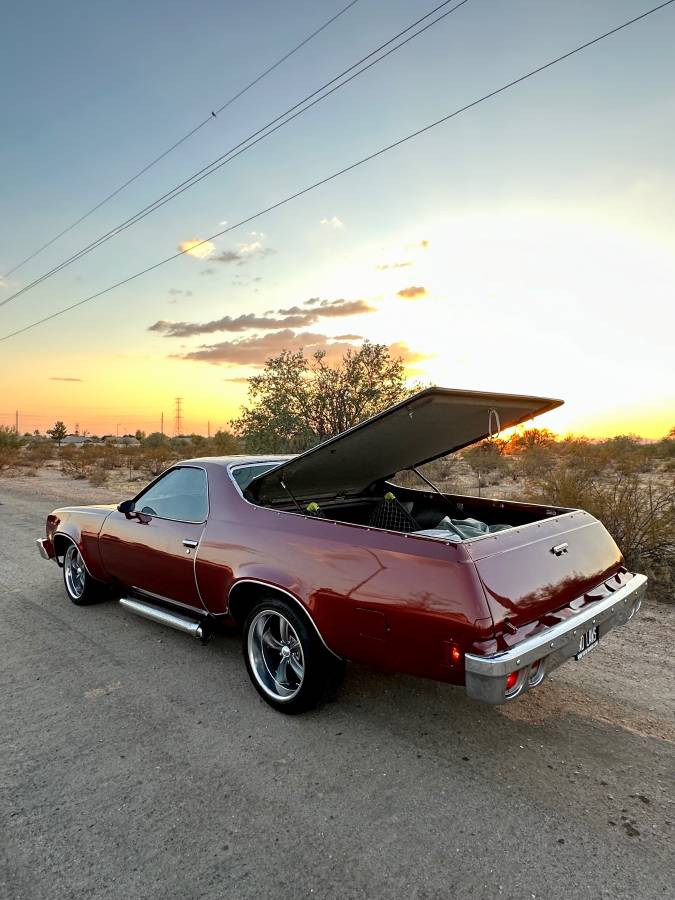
(178, 417)
(16, 421)
(161, 427)
(208, 429)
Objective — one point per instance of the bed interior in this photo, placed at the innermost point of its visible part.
(446, 516)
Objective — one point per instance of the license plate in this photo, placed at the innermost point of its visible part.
(589, 641)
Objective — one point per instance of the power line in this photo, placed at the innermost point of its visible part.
(247, 143)
(184, 138)
(349, 168)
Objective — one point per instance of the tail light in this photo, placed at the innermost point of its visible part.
(511, 681)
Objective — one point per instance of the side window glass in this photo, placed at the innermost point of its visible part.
(181, 494)
(244, 475)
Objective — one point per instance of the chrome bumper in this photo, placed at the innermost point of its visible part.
(486, 675)
(45, 548)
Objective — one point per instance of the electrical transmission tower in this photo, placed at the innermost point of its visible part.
(178, 417)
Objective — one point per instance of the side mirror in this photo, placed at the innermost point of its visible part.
(126, 507)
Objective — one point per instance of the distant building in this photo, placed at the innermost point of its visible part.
(76, 440)
(123, 440)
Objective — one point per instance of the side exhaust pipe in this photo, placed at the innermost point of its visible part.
(164, 617)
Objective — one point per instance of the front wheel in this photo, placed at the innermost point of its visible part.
(285, 659)
(80, 586)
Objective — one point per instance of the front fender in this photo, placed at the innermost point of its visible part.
(81, 528)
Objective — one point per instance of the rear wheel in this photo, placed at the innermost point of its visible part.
(80, 586)
(285, 658)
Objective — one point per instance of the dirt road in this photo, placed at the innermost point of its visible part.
(136, 763)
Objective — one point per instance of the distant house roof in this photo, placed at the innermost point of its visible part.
(75, 439)
(121, 440)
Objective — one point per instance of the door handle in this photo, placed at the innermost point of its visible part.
(191, 544)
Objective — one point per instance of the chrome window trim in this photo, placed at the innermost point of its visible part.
(233, 468)
(163, 475)
(281, 590)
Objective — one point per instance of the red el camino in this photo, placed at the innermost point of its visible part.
(320, 559)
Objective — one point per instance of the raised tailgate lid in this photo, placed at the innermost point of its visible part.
(432, 423)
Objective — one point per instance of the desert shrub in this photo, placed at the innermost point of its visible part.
(154, 460)
(76, 462)
(487, 456)
(38, 452)
(98, 476)
(9, 457)
(10, 440)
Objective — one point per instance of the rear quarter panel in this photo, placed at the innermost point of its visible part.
(393, 601)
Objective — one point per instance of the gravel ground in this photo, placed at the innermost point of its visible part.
(136, 763)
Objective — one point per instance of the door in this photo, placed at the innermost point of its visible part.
(153, 547)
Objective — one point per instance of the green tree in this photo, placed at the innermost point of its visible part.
(298, 402)
(57, 432)
(225, 443)
(155, 439)
(140, 435)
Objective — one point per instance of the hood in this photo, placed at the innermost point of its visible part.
(430, 424)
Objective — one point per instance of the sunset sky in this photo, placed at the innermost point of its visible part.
(527, 245)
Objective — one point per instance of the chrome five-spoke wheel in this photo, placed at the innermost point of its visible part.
(80, 586)
(74, 573)
(275, 655)
(286, 659)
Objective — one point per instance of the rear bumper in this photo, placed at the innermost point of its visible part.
(45, 548)
(486, 675)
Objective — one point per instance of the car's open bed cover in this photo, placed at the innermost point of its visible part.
(430, 424)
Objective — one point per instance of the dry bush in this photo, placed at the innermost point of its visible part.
(9, 457)
(154, 460)
(37, 453)
(98, 476)
(76, 462)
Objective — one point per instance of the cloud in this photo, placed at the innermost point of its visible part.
(244, 252)
(419, 245)
(333, 222)
(412, 293)
(348, 337)
(208, 272)
(227, 256)
(174, 292)
(408, 356)
(395, 265)
(56, 378)
(292, 317)
(241, 379)
(196, 247)
(255, 350)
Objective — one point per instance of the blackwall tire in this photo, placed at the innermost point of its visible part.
(285, 659)
(81, 588)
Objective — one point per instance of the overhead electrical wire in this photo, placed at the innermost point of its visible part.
(212, 115)
(349, 168)
(298, 109)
